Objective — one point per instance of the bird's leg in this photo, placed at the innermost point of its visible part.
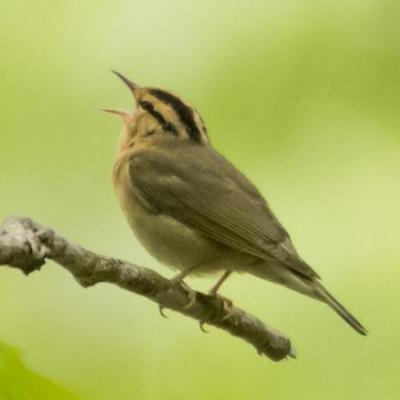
(178, 280)
(213, 291)
(227, 303)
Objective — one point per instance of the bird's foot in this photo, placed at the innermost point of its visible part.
(191, 294)
(161, 309)
(201, 324)
(227, 306)
(191, 298)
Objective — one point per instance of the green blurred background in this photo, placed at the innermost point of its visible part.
(303, 96)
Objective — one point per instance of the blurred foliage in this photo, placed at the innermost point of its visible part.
(301, 95)
(19, 383)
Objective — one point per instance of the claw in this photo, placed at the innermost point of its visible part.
(229, 311)
(230, 314)
(161, 310)
(191, 300)
(227, 306)
(201, 324)
(191, 294)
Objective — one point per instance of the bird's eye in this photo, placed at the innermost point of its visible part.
(167, 126)
(146, 105)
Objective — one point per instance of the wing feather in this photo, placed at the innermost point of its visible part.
(201, 189)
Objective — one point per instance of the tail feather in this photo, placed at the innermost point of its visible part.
(340, 309)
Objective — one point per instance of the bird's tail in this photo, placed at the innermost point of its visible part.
(339, 308)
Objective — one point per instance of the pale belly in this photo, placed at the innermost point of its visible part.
(181, 247)
(173, 243)
(176, 245)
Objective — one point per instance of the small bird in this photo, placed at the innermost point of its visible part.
(192, 209)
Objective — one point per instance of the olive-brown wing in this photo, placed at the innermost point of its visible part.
(201, 189)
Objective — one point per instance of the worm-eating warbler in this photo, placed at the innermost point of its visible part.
(192, 209)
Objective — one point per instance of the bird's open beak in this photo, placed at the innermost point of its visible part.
(133, 87)
(120, 113)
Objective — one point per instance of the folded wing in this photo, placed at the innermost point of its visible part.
(201, 189)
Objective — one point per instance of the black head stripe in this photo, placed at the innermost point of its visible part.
(184, 112)
(167, 126)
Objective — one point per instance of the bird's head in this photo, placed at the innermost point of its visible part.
(160, 114)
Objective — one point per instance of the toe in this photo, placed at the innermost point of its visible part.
(161, 309)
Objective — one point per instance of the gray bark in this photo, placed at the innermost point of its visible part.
(26, 245)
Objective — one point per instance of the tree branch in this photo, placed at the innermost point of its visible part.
(26, 245)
